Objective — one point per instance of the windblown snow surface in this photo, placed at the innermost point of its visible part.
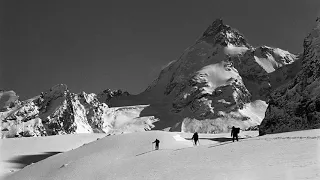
(287, 156)
(16, 153)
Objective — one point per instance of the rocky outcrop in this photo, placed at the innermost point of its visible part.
(8, 99)
(106, 95)
(296, 105)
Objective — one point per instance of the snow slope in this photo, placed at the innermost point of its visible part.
(129, 156)
(20, 152)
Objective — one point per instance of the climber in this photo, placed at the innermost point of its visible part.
(195, 138)
(234, 133)
(157, 144)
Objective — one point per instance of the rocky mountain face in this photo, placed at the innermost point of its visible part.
(8, 99)
(59, 111)
(219, 82)
(296, 105)
(106, 95)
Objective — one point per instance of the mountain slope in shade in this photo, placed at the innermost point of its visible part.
(296, 105)
(218, 82)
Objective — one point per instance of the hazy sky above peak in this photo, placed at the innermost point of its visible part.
(95, 45)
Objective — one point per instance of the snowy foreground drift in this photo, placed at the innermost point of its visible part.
(279, 156)
(20, 152)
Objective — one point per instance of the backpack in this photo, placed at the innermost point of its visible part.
(237, 130)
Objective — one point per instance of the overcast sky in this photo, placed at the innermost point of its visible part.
(95, 45)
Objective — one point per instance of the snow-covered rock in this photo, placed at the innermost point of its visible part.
(259, 66)
(296, 105)
(59, 111)
(107, 94)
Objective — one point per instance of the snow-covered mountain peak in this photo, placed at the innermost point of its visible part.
(280, 52)
(220, 33)
(216, 26)
(275, 57)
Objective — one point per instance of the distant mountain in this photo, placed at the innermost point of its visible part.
(59, 111)
(296, 105)
(219, 82)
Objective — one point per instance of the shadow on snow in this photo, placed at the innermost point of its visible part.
(24, 160)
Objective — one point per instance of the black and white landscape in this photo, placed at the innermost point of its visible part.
(218, 82)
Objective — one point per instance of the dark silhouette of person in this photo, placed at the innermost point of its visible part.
(234, 133)
(195, 138)
(157, 144)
